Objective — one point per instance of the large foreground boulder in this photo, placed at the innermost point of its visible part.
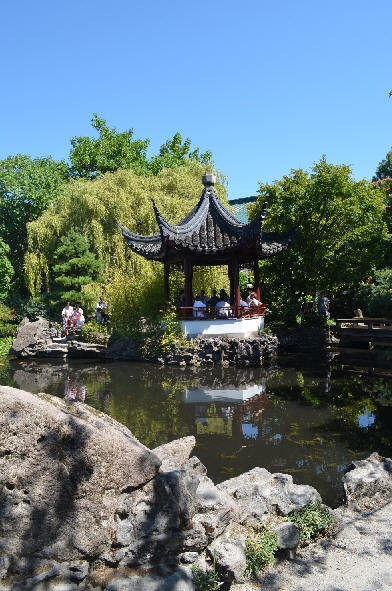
(63, 470)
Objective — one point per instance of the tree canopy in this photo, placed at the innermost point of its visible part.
(6, 270)
(342, 231)
(27, 188)
(384, 169)
(113, 150)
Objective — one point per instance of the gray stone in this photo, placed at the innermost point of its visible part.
(63, 586)
(174, 454)
(230, 559)
(287, 536)
(188, 557)
(180, 580)
(370, 482)
(63, 478)
(4, 564)
(260, 495)
(32, 338)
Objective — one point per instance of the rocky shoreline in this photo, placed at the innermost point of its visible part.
(39, 340)
(85, 506)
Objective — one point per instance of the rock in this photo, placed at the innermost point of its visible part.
(370, 482)
(180, 580)
(188, 557)
(32, 338)
(260, 494)
(230, 559)
(174, 454)
(4, 564)
(86, 350)
(63, 477)
(287, 536)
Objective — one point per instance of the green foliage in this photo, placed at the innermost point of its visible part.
(113, 150)
(171, 329)
(29, 307)
(109, 152)
(376, 297)
(27, 188)
(260, 549)
(342, 233)
(6, 270)
(7, 314)
(134, 286)
(76, 267)
(311, 520)
(92, 332)
(5, 345)
(7, 330)
(206, 581)
(384, 169)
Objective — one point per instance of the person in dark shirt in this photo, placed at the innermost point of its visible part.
(213, 300)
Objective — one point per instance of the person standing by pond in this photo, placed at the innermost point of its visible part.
(67, 315)
(323, 305)
(101, 310)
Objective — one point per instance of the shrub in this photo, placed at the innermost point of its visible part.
(260, 548)
(311, 520)
(30, 307)
(5, 345)
(92, 332)
(7, 330)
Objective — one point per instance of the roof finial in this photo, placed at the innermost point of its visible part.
(209, 179)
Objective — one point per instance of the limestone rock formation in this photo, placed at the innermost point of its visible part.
(63, 470)
(370, 482)
(32, 338)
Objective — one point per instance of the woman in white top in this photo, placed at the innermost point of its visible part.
(78, 316)
(199, 308)
(67, 315)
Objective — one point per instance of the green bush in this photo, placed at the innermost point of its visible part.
(311, 520)
(5, 346)
(7, 330)
(7, 314)
(260, 548)
(92, 332)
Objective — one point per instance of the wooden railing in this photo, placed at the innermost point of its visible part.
(361, 323)
(196, 313)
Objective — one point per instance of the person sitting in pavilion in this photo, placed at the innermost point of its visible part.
(202, 297)
(224, 296)
(212, 302)
(199, 308)
(222, 308)
(254, 302)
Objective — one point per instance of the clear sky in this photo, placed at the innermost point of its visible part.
(266, 86)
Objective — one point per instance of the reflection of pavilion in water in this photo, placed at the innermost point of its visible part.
(229, 412)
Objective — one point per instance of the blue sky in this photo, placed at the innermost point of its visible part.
(266, 86)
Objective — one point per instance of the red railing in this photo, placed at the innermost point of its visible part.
(195, 313)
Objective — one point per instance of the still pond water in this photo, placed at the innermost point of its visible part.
(302, 417)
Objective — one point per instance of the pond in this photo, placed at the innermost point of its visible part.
(302, 417)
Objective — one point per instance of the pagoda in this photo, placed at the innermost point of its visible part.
(210, 235)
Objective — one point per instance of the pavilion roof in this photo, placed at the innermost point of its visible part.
(210, 234)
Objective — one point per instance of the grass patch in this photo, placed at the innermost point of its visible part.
(311, 521)
(260, 549)
(206, 581)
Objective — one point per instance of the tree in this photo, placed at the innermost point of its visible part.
(342, 232)
(109, 152)
(27, 188)
(6, 271)
(76, 268)
(113, 150)
(384, 169)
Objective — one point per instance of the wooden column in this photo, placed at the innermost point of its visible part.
(166, 287)
(188, 272)
(236, 283)
(231, 277)
(256, 282)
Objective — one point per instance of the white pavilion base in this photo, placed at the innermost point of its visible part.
(230, 327)
(229, 394)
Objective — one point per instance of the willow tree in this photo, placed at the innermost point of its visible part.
(133, 286)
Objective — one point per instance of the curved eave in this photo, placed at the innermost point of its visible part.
(150, 247)
(272, 243)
